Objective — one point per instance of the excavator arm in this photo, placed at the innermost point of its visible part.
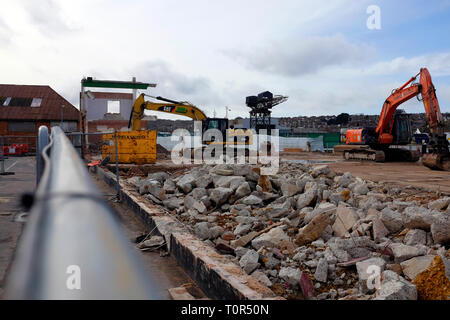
(173, 107)
(405, 93)
(439, 156)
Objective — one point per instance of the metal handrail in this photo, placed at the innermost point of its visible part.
(71, 225)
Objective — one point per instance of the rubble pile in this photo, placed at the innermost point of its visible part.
(311, 233)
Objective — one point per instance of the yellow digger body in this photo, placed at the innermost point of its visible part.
(137, 147)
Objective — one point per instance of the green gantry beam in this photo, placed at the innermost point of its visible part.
(89, 82)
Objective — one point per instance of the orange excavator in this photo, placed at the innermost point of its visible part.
(394, 129)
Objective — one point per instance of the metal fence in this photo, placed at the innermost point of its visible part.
(73, 246)
(18, 145)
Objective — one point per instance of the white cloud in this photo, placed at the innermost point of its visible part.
(306, 50)
(299, 56)
(437, 63)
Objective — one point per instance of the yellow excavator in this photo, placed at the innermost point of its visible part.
(188, 110)
(139, 146)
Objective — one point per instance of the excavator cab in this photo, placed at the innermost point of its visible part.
(220, 124)
(401, 131)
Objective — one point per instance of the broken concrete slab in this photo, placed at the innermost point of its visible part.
(262, 278)
(270, 239)
(252, 200)
(415, 236)
(392, 220)
(186, 182)
(368, 268)
(403, 252)
(439, 204)
(345, 220)
(244, 240)
(321, 273)
(396, 290)
(313, 229)
(220, 195)
(379, 229)
(249, 261)
(440, 230)
(418, 218)
(290, 275)
(412, 267)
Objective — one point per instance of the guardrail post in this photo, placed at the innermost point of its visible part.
(117, 164)
(41, 143)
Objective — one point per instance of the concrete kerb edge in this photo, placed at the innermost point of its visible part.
(217, 276)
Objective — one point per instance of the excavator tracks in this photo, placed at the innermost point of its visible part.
(367, 154)
(382, 155)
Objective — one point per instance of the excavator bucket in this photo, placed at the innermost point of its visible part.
(436, 161)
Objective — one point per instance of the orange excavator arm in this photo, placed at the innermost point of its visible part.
(426, 88)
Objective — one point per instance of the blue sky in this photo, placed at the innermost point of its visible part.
(214, 53)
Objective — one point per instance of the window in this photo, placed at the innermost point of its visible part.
(36, 102)
(27, 126)
(6, 101)
(20, 102)
(113, 107)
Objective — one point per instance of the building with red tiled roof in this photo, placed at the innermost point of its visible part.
(24, 108)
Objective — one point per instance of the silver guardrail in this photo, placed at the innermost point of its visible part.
(73, 246)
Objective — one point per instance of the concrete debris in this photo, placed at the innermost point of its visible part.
(306, 199)
(439, 204)
(249, 261)
(309, 229)
(270, 239)
(153, 241)
(412, 267)
(345, 220)
(394, 287)
(321, 273)
(367, 268)
(262, 278)
(415, 236)
(440, 230)
(313, 229)
(186, 182)
(202, 230)
(418, 218)
(379, 229)
(291, 275)
(392, 220)
(220, 195)
(403, 252)
(243, 190)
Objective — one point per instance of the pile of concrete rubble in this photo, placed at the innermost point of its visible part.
(308, 232)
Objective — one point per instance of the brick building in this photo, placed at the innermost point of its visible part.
(24, 108)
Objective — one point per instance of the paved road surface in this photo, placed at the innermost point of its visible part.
(11, 188)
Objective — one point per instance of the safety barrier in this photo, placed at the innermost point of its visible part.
(73, 246)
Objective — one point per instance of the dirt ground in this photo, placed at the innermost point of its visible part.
(400, 174)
